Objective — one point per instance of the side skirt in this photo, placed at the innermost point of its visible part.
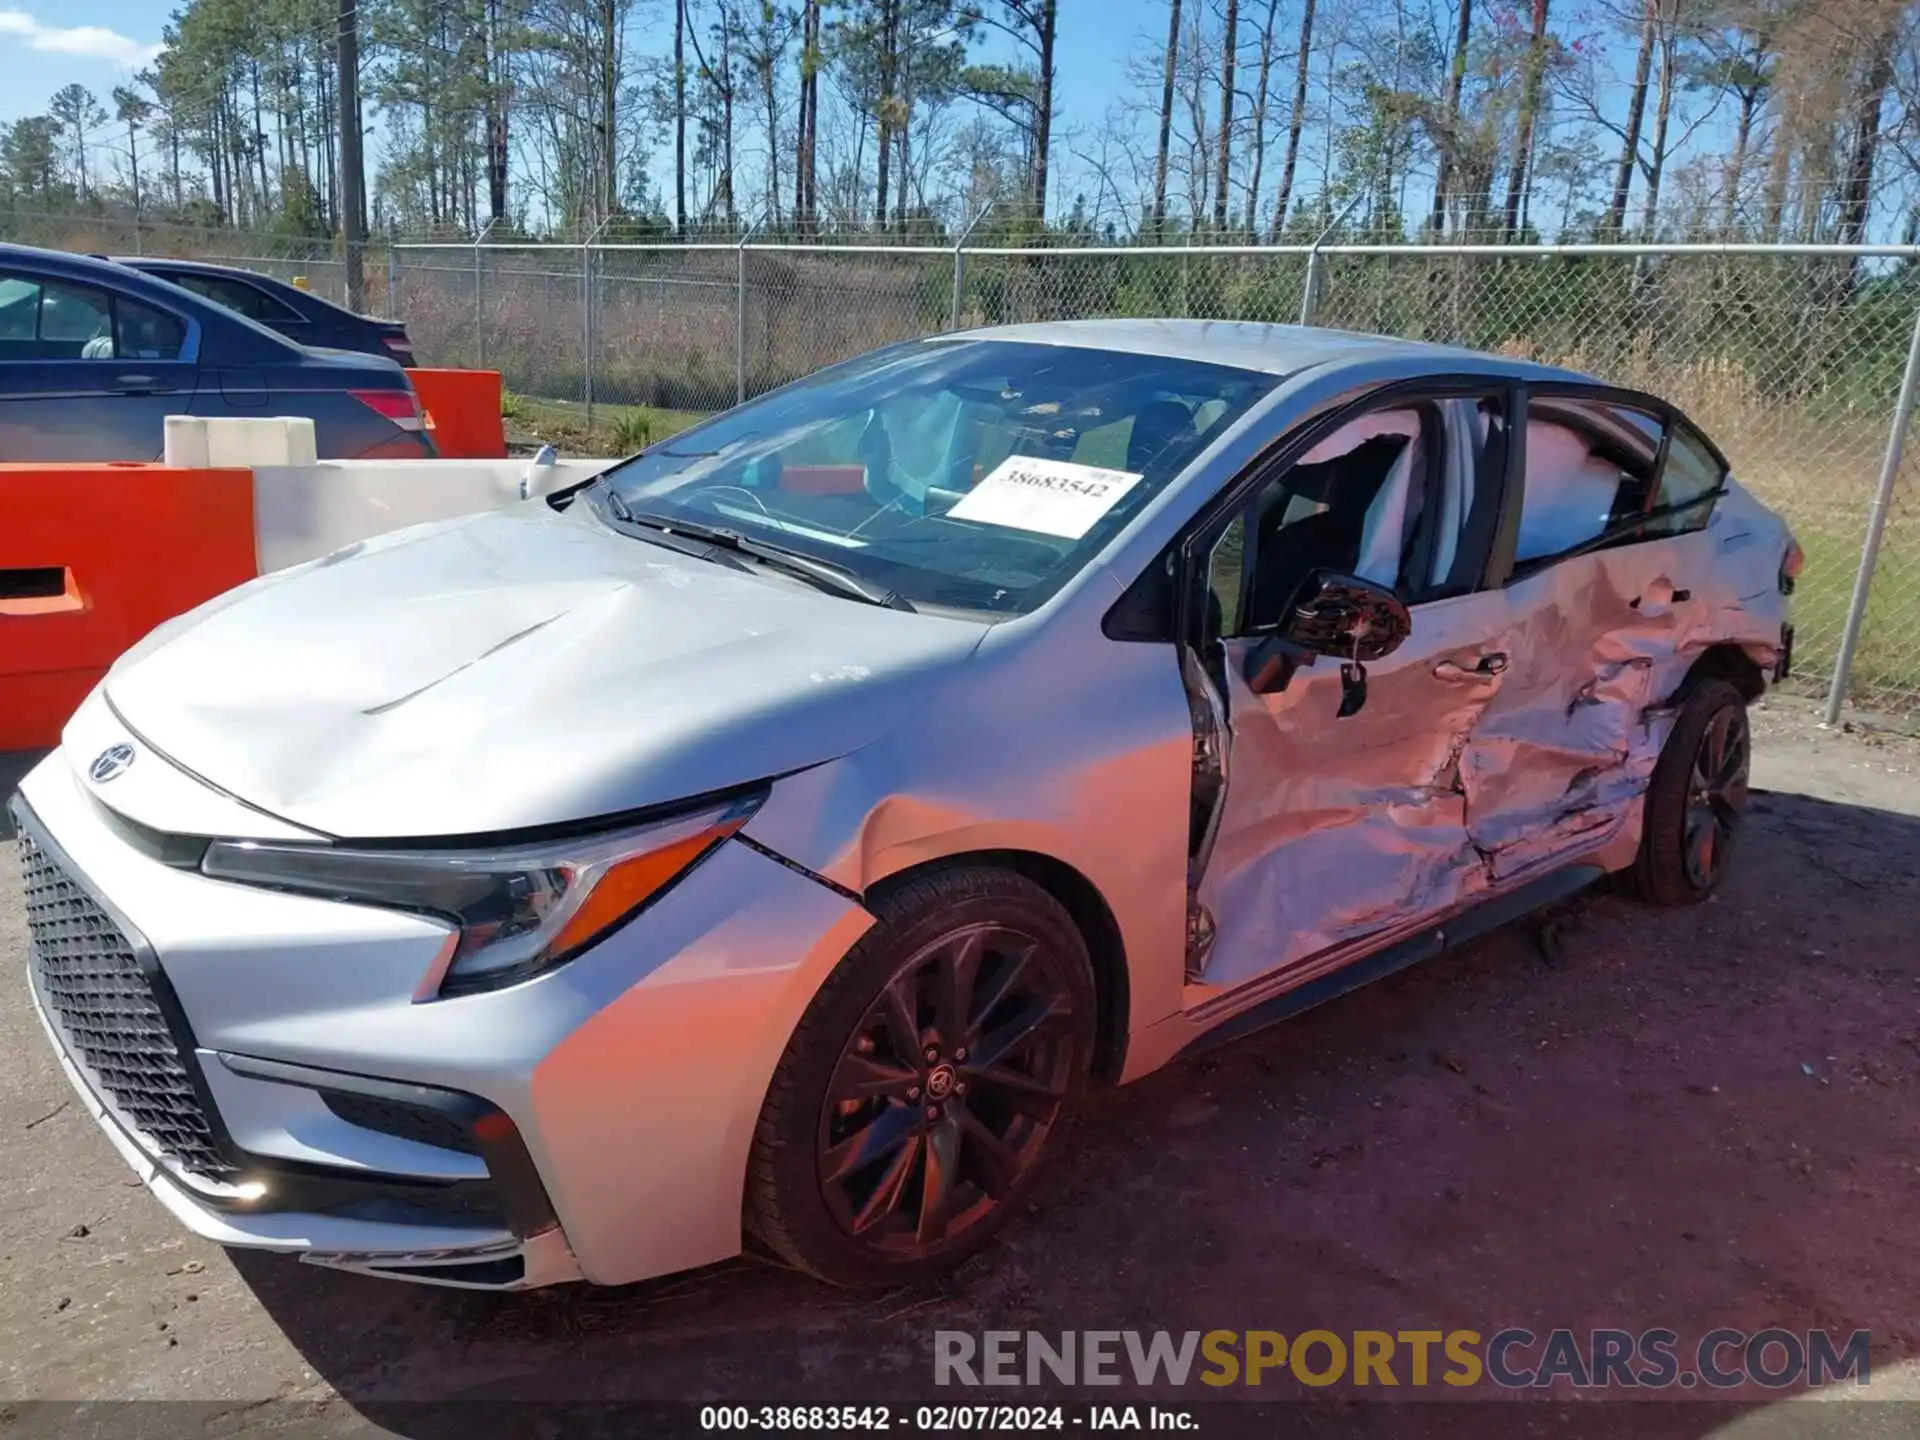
(1469, 924)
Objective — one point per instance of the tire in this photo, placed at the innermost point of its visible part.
(1696, 799)
(859, 1123)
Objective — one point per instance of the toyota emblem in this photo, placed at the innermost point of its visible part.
(110, 763)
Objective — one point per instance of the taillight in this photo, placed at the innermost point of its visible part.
(399, 344)
(1790, 566)
(402, 407)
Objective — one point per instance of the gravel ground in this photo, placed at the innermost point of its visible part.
(1606, 1116)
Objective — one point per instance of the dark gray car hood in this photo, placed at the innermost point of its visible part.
(517, 669)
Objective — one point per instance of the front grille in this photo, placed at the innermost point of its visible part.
(103, 1005)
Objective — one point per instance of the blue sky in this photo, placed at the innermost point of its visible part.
(100, 43)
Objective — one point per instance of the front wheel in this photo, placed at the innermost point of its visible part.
(917, 1095)
(1696, 800)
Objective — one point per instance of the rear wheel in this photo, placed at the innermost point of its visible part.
(1697, 799)
(920, 1090)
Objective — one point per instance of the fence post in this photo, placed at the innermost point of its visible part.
(586, 317)
(480, 299)
(740, 314)
(1316, 273)
(1310, 292)
(960, 264)
(393, 278)
(1186, 277)
(1876, 530)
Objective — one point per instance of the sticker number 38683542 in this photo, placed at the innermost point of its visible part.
(1050, 497)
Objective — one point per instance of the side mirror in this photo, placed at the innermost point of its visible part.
(1347, 617)
(1341, 616)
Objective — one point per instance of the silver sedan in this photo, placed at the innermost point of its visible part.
(767, 842)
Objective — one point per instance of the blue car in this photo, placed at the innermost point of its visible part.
(94, 357)
(298, 314)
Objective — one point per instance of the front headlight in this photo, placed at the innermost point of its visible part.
(520, 911)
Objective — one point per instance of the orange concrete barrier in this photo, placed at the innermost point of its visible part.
(465, 406)
(92, 557)
(823, 479)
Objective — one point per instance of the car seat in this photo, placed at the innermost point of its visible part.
(1157, 426)
(1286, 552)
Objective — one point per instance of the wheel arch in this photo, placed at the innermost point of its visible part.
(1731, 663)
(1091, 915)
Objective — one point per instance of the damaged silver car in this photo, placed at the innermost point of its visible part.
(767, 842)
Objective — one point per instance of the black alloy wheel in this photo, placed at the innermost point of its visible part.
(1696, 800)
(926, 1079)
(945, 1093)
(1717, 796)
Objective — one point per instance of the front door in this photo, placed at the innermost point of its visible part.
(1335, 827)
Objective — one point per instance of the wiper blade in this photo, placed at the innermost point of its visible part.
(822, 574)
(611, 496)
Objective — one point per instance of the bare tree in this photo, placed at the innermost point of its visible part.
(1298, 118)
(1258, 137)
(1529, 114)
(1636, 114)
(1224, 168)
(1447, 136)
(1166, 115)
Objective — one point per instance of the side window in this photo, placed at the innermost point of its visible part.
(1356, 502)
(19, 317)
(249, 300)
(1589, 472)
(1689, 480)
(143, 333)
(76, 322)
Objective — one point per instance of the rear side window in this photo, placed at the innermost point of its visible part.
(236, 295)
(1689, 481)
(143, 333)
(75, 315)
(1589, 475)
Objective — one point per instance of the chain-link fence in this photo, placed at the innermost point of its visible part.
(1792, 358)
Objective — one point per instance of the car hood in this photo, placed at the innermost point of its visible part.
(518, 669)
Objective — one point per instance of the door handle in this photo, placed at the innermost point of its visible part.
(137, 384)
(1493, 663)
(1660, 594)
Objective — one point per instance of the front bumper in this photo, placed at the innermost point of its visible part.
(628, 1082)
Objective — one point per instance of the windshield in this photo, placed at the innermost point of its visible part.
(970, 474)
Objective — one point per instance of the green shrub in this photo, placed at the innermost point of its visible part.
(633, 430)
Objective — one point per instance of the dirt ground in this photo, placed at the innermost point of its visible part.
(1611, 1116)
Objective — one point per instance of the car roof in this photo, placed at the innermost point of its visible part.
(67, 262)
(177, 262)
(1254, 345)
(206, 267)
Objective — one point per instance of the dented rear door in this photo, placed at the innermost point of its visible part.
(1564, 747)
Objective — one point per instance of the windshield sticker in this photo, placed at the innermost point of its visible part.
(1049, 497)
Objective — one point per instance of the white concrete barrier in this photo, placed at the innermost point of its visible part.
(198, 442)
(305, 511)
